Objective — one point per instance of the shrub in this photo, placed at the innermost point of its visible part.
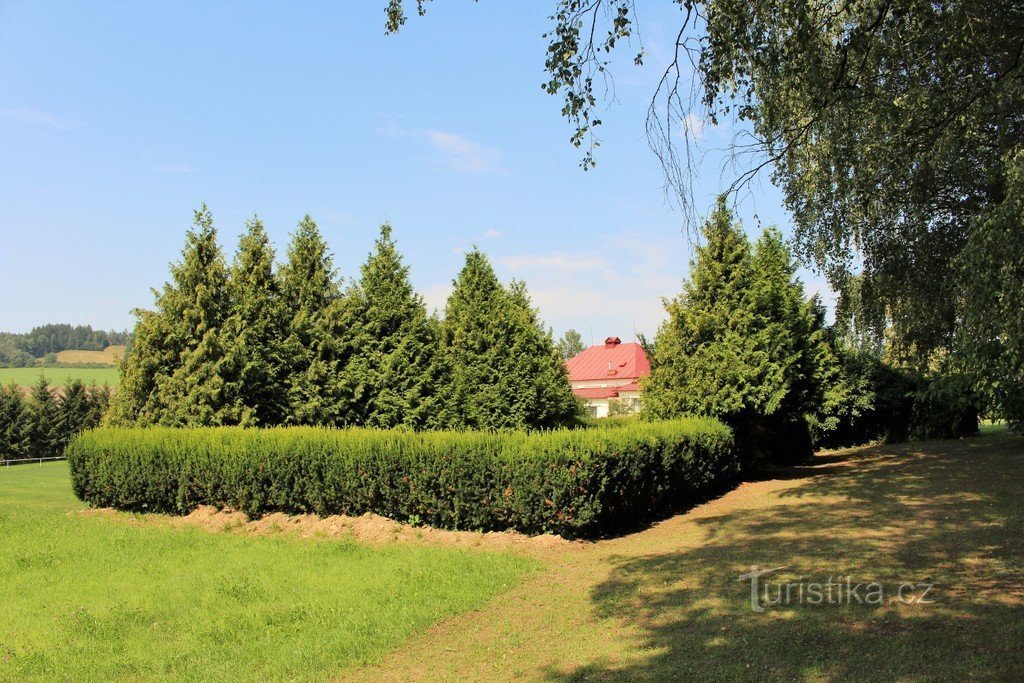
(573, 482)
(894, 405)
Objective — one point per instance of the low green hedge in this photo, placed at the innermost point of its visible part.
(573, 482)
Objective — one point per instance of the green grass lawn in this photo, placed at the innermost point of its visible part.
(26, 377)
(667, 603)
(97, 598)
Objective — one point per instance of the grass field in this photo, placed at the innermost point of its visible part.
(135, 598)
(96, 598)
(668, 604)
(26, 377)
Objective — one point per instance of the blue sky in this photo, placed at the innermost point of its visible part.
(118, 119)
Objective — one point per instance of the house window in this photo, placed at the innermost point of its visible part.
(592, 411)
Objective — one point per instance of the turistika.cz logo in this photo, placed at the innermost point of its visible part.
(835, 590)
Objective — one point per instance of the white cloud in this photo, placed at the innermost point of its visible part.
(613, 287)
(463, 154)
(491, 235)
(554, 261)
(694, 125)
(33, 116)
(457, 151)
(436, 296)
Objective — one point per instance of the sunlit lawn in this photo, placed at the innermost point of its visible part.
(27, 377)
(93, 598)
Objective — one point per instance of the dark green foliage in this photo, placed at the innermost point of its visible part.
(393, 341)
(884, 403)
(23, 350)
(253, 335)
(248, 346)
(318, 343)
(174, 374)
(11, 356)
(990, 348)
(43, 419)
(742, 344)
(42, 424)
(14, 434)
(572, 482)
(500, 367)
(75, 413)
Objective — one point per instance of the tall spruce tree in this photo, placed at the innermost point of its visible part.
(172, 375)
(317, 345)
(393, 343)
(253, 334)
(75, 412)
(43, 421)
(195, 308)
(500, 369)
(703, 359)
(742, 344)
(535, 377)
(14, 434)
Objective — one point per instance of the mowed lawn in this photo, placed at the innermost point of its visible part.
(101, 598)
(27, 377)
(668, 603)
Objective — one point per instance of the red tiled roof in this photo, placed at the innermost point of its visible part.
(612, 360)
(598, 392)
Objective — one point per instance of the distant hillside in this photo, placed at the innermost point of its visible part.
(111, 355)
(35, 347)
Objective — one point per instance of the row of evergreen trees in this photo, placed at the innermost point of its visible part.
(253, 343)
(743, 343)
(41, 424)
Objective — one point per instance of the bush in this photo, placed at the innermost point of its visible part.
(573, 482)
(890, 404)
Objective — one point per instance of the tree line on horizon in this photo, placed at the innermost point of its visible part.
(30, 348)
(260, 344)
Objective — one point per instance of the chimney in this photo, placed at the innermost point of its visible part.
(612, 342)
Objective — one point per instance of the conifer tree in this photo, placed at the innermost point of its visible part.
(43, 421)
(742, 344)
(500, 368)
(75, 412)
(703, 359)
(534, 378)
(393, 343)
(172, 375)
(470, 338)
(253, 335)
(14, 436)
(317, 345)
(196, 308)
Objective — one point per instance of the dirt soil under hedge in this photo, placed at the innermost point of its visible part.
(367, 528)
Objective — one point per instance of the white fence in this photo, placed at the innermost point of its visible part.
(29, 461)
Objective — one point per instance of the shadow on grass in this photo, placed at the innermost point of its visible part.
(942, 513)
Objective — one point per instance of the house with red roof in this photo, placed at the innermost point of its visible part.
(608, 373)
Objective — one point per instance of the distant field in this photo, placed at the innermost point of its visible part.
(111, 355)
(60, 376)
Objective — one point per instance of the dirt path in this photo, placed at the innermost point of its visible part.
(667, 602)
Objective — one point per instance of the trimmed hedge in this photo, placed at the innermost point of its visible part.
(573, 482)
